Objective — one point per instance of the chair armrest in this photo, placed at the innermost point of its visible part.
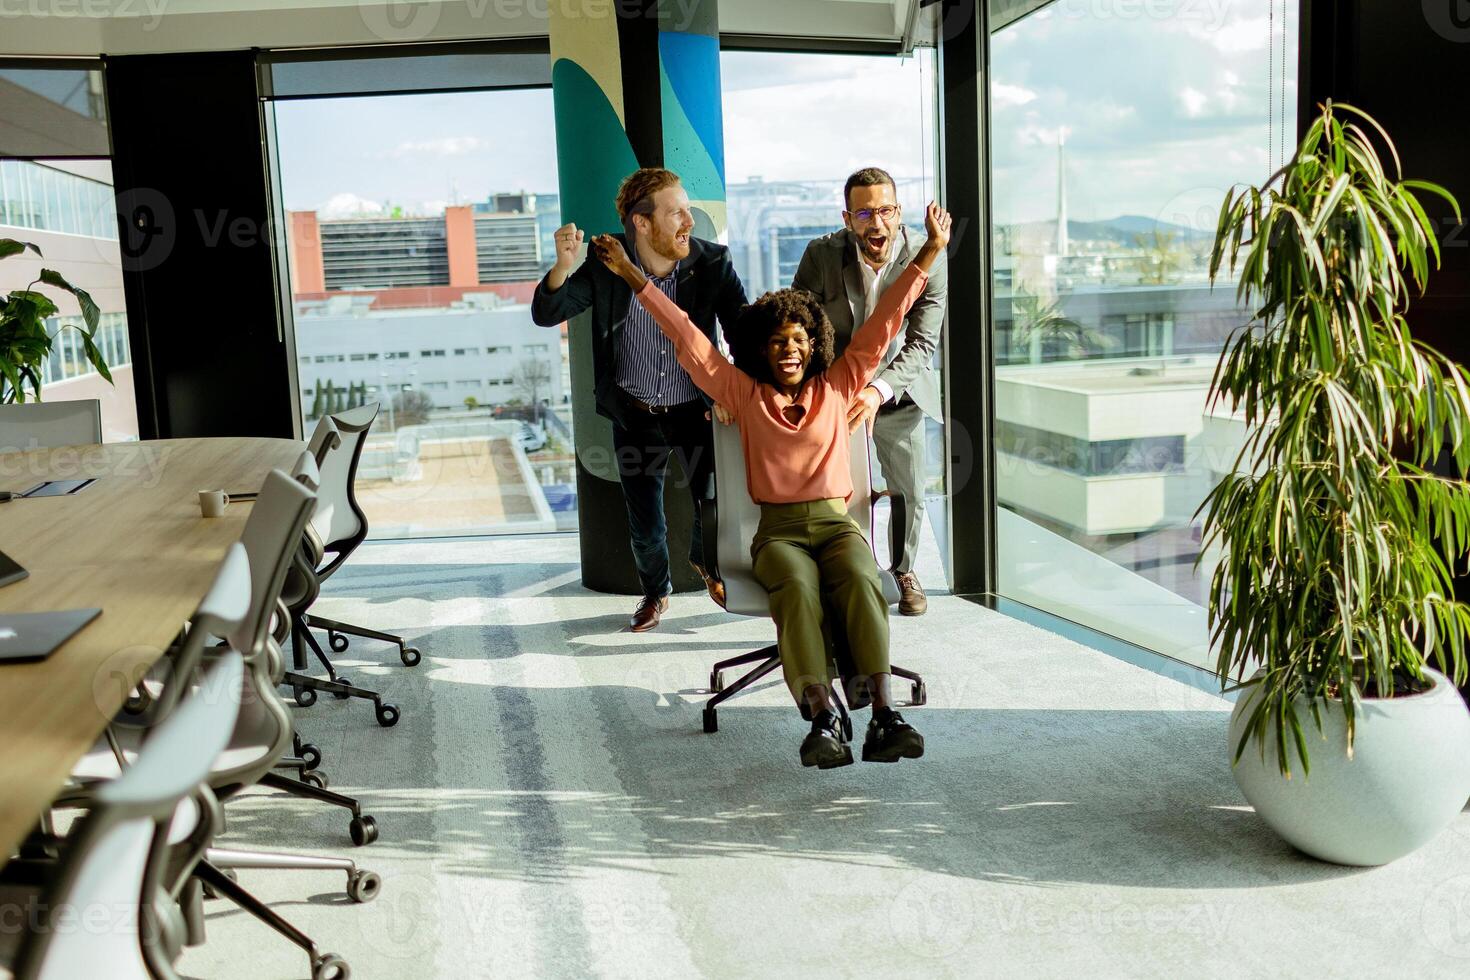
(709, 524)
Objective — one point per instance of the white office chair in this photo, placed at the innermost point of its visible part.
(338, 526)
(46, 425)
(262, 732)
(730, 522)
(117, 857)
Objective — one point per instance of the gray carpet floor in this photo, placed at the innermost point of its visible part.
(550, 807)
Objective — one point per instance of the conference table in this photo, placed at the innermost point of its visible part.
(133, 544)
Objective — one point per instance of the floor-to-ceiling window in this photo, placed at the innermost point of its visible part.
(417, 225)
(1115, 133)
(796, 125)
(56, 194)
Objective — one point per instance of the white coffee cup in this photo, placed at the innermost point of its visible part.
(212, 503)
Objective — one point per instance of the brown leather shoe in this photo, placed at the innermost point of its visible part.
(715, 586)
(646, 616)
(911, 600)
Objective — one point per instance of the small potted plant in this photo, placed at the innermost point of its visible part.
(1334, 594)
(24, 342)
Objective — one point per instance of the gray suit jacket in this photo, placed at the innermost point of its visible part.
(829, 269)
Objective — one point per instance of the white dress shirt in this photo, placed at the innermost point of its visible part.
(871, 291)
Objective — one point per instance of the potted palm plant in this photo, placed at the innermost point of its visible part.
(1333, 595)
(24, 341)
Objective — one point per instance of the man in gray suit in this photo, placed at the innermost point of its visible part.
(847, 271)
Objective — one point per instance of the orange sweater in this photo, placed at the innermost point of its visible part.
(785, 462)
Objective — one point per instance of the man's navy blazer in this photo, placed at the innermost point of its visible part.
(708, 288)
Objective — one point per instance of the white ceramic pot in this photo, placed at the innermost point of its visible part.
(1408, 778)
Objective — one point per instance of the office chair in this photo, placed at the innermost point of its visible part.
(263, 729)
(46, 425)
(337, 528)
(729, 522)
(118, 855)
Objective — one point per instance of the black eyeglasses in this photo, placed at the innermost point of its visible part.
(868, 214)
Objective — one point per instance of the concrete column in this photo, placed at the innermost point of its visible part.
(635, 83)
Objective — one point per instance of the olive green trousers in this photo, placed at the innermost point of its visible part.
(813, 561)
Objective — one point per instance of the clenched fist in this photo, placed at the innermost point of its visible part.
(568, 240)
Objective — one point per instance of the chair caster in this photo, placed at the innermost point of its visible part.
(410, 656)
(311, 756)
(317, 779)
(341, 695)
(364, 830)
(363, 886)
(337, 641)
(305, 696)
(387, 715)
(921, 694)
(330, 966)
(716, 681)
(711, 720)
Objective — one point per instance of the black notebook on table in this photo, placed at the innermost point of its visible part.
(35, 636)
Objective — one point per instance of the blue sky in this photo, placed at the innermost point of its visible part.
(1161, 114)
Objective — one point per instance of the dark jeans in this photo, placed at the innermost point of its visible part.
(643, 450)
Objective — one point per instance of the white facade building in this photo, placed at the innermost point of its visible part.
(484, 348)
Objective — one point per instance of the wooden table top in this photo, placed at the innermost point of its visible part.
(132, 544)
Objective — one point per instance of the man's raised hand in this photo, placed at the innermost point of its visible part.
(937, 223)
(568, 240)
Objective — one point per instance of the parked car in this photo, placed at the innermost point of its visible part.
(531, 437)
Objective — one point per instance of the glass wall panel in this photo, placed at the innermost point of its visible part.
(796, 125)
(65, 208)
(1114, 137)
(401, 212)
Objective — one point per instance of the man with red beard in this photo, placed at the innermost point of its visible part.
(655, 408)
(847, 271)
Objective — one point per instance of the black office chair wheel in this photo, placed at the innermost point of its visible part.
(410, 656)
(387, 715)
(330, 966)
(305, 696)
(337, 641)
(921, 693)
(310, 755)
(317, 779)
(364, 830)
(363, 886)
(716, 681)
(338, 694)
(711, 720)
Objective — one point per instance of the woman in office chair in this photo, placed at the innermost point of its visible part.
(791, 397)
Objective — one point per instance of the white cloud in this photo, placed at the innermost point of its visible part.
(448, 146)
(1003, 96)
(1194, 101)
(347, 205)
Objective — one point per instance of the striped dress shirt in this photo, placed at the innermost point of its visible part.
(647, 366)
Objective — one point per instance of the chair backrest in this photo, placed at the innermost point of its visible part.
(739, 517)
(220, 614)
(116, 855)
(339, 521)
(46, 425)
(271, 536)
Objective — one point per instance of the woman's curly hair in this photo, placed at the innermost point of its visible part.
(759, 320)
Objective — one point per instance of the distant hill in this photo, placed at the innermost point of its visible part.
(1123, 229)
